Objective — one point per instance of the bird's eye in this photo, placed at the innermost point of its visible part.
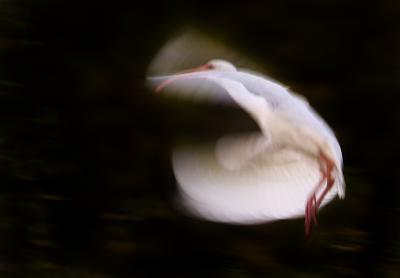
(210, 66)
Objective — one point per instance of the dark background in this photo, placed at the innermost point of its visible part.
(85, 179)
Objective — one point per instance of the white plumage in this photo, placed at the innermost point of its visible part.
(288, 169)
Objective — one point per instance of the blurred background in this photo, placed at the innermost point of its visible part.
(85, 176)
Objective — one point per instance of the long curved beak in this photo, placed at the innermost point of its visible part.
(180, 75)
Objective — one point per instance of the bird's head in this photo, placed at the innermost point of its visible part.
(212, 65)
(219, 65)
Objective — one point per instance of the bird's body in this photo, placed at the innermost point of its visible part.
(287, 170)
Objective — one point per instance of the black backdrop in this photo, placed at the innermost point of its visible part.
(84, 146)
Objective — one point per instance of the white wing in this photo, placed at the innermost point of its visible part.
(217, 87)
(263, 184)
(235, 152)
(204, 85)
(274, 184)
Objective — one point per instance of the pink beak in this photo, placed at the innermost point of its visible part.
(182, 74)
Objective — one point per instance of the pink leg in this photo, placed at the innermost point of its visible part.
(330, 182)
(313, 204)
(329, 179)
(311, 208)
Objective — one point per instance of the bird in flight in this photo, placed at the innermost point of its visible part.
(288, 169)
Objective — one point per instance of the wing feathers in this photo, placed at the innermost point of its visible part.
(271, 187)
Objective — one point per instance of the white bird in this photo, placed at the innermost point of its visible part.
(289, 169)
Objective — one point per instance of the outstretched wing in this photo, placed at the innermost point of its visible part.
(263, 183)
(272, 185)
(217, 87)
(234, 152)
